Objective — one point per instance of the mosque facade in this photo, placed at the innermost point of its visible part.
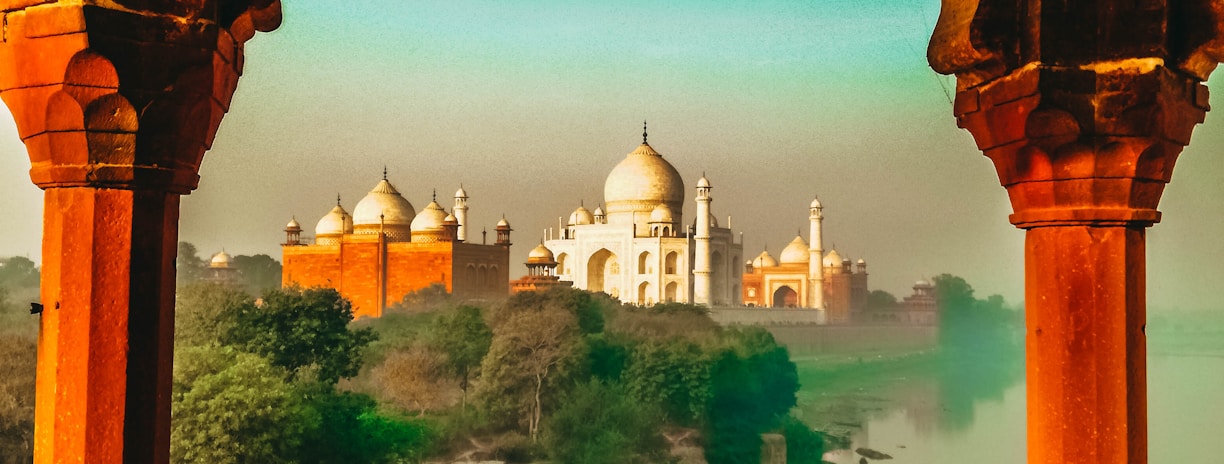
(386, 249)
(803, 276)
(637, 248)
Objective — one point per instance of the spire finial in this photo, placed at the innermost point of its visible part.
(435, 194)
(384, 172)
(643, 132)
(337, 198)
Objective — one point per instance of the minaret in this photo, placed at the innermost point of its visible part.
(816, 258)
(701, 256)
(461, 210)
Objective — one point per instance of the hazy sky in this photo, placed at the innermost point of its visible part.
(530, 104)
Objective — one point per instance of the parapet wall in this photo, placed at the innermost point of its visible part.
(802, 334)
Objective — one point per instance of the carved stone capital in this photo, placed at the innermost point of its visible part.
(123, 94)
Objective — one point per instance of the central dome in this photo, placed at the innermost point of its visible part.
(640, 182)
(795, 253)
(383, 209)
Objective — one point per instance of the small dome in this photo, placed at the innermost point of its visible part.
(581, 216)
(293, 225)
(335, 222)
(429, 219)
(703, 182)
(450, 219)
(662, 213)
(764, 260)
(922, 283)
(599, 211)
(832, 259)
(862, 261)
(795, 253)
(503, 223)
(383, 206)
(540, 255)
(221, 259)
(461, 193)
(815, 203)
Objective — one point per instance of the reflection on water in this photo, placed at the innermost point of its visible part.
(927, 409)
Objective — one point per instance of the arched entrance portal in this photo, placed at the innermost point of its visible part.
(644, 297)
(785, 297)
(600, 267)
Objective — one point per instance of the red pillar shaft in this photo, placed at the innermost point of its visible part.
(105, 346)
(1086, 350)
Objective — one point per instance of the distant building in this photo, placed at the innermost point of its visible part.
(804, 277)
(541, 266)
(920, 308)
(639, 250)
(385, 250)
(221, 270)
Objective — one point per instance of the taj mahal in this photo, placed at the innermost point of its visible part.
(639, 249)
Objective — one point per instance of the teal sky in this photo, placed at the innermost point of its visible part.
(530, 104)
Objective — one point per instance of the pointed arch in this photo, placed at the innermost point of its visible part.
(600, 266)
(644, 263)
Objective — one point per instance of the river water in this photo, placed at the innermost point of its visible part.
(920, 417)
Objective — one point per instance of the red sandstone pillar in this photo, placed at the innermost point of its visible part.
(117, 102)
(1083, 107)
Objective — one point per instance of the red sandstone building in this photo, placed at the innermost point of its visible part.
(385, 250)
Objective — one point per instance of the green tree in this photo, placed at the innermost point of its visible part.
(431, 298)
(259, 272)
(465, 338)
(18, 272)
(601, 423)
(188, 265)
(880, 299)
(753, 385)
(530, 351)
(298, 329)
(673, 374)
(350, 430)
(205, 311)
(233, 407)
(803, 445)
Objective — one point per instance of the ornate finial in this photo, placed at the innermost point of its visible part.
(582, 203)
(435, 194)
(337, 199)
(384, 172)
(643, 132)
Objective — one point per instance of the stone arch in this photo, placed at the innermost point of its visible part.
(493, 276)
(471, 274)
(484, 275)
(669, 262)
(643, 266)
(669, 292)
(785, 297)
(561, 270)
(601, 264)
(643, 297)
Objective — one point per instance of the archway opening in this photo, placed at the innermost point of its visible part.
(785, 297)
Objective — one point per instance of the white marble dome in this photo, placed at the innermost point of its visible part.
(383, 206)
(221, 259)
(764, 260)
(641, 181)
(581, 216)
(540, 255)
(429, 219)
(833, 259)
(335, 222)
(662, 213)
(795, 253)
